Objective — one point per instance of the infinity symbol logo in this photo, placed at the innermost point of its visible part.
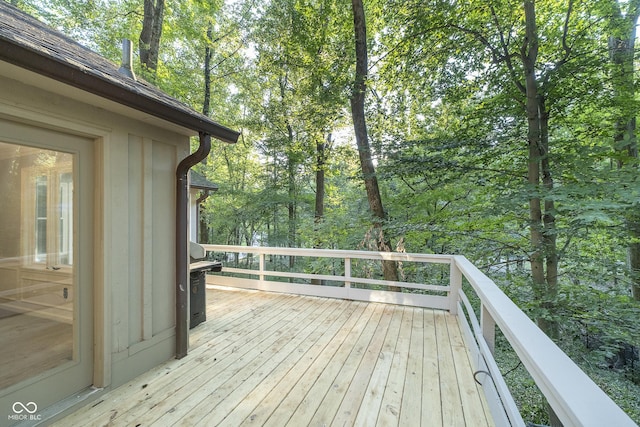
(19, 407)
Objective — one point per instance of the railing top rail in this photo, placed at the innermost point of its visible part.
(575, 398)
(333, 253)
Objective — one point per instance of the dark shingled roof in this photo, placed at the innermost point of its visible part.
(200, 182)
(30, 44)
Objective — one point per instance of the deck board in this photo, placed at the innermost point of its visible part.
(393, 392)
(431, 393)
(411, 405)
(369, 408)
(228, 395)
(467, 385)
(452, 413)
(273, 359)
(243, 361)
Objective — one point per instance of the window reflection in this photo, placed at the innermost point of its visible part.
(37, 280)
(41, 219)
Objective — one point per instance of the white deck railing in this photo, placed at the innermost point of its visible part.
(575, 398)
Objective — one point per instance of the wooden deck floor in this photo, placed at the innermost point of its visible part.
(275, 360)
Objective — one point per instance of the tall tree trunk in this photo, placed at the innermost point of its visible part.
(291, 203)
(549, 231)
(320, 166)
(149, 42)
(389, 268)
(206, 109)
(529, 57)
(291, 173)
(543, 239)
(622, 50)
(319, 203)
(208, 53)
(203, 226)
(273, 229)
(542, 228)
(633, 227)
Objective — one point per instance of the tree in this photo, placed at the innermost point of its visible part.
(539, 79)
(486, 55)
(544, 258)
(389, 268)
(149, 41)
(622, 56)
(298, 46)
(501, 130)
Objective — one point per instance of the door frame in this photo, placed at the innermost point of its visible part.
(99, 336)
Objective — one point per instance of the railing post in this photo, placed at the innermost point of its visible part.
(488, 326)
(455, 284)
(261, 266)
(347, 273)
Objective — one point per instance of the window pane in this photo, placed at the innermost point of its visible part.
(41, 219)
(37, 278)
(65, 227)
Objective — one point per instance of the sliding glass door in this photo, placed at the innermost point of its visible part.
(46, 247)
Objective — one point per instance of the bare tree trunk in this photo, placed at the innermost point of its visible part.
(529, 57)
(389, 268)
(204, 228)
(149, 42)
(206, 107)
(543, 251)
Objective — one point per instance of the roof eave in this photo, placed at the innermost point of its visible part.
(49, 67)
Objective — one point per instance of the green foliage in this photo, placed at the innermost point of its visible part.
(449, 132)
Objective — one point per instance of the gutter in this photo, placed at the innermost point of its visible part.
(182, 254)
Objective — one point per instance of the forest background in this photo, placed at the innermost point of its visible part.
(498, 129)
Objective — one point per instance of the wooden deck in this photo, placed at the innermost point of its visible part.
(274, 359)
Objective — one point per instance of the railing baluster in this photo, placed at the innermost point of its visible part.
(455, 284)
(261, 265)
(488, 326)
(347, 273)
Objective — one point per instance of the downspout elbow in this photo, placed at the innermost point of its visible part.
(204, 196)
(196, 157)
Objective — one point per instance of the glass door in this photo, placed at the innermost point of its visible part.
(46, 262)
